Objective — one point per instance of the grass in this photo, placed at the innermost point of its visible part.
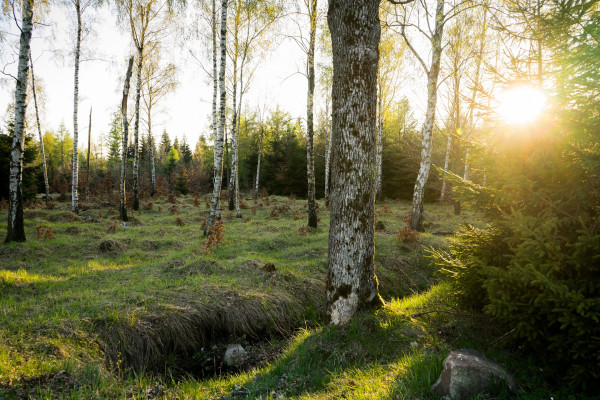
(144, 312)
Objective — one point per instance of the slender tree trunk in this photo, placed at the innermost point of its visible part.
(327, 153)
(260, 140)
(37, 118)
(351, 281)
(151, 143)
(15, 231)
(379, 153)
(238, 211)
(416, 218)
(310, 156)
(218, 160)
(87, 168)
(446, 164)
(234, 144)
(122, 192)
(215, 71)
(471, 127)
(136, 130)
(74, 193)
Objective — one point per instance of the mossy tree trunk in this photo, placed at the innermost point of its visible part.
(355, 34)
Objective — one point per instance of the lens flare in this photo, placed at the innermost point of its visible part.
(521, 105)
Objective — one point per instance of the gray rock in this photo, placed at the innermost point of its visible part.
(234, 354)
(467, 373)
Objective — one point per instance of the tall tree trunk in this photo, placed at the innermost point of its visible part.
(215, 78)
(87, 168)
(351, 281)
(256, 184)
(136, 130)
(310, 156)
(416, 218)
(151, 143)
(471, 127)
(218, 158)
(238, 211)
(232, 168)
(379, 151)
(74, 194)
(37, 118)
(15, 231)
(123, 204)
(446, 164)
(327, 153)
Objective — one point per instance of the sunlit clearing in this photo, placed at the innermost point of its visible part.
(522, 104)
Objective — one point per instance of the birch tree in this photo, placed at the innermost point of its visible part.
(37, 118)
(158, 81)
(144, 18)
(432, 70)
(218, 146)
(351, 281)
(75, 170)
(311, 8)
(125, 122)
(15, 231)
(87, 168)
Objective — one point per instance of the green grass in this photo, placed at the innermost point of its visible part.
(72, 314)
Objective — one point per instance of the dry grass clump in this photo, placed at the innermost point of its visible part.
(112, 211)
(100, 215)
(159, 209)
(274, 212)
(174, 210)
(296, 214)
(113, 227)
(110, 245)
(179, 222)
(302, 231)
(148, 206)
(203, 223)
(243, 205)
(196, 201)
(215, 235)
(172, 199)
(253, 210)
(248, 219)
(407, 235)
(387, 209)
(43, 232)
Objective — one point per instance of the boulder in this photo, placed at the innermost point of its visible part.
(467, 373)
(234, 354)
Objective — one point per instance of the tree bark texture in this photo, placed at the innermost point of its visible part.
(260, 140)
(218, 151)
(74, 189)
(327, 163)
(15, 231)
(152, 166)
(351, 281)
(87, 168)
(37, 118)
(234, 144)
(446, 164)
(215, 71)
(136, 130)
(416, 218)
(123, 204)
(379, 154)
(310, 154)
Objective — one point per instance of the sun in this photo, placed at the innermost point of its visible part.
(521, 104)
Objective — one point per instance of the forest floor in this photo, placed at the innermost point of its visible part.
(93, 309)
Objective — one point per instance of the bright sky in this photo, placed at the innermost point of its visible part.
(187, 109)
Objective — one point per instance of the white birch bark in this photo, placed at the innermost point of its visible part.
(446, 164)
(87, 168)
(37, 118)
(15, 231)
(310, 156)
(125, 122)
(215, 78)
(136, 128)
(74, 189)
(379, 153)
(218, 160)
(327, 155)
(152, 166)
(416, 218)
(355, 34)
(234, 144)
(256, 184)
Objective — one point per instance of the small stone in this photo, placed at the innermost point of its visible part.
(234, 354)
(467, 373)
